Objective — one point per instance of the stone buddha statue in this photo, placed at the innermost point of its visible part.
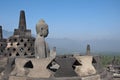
(41, 47)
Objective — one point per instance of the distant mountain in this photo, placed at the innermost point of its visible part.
(7, 34)
(64, 46)
(68, 46)
(97, 46)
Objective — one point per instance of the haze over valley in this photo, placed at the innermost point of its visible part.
(69, 46)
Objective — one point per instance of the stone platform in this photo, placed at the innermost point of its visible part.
(40, 69)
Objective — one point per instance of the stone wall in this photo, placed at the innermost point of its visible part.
(20, 46)
(3, 43)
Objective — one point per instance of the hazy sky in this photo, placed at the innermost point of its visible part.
(74, 19)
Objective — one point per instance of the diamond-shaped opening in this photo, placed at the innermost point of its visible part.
(76, 63)
(1, 45)
(53, 66)
(15, 39)
(32, 53)
(11, 44)
(14, 49)
(17, 54)
(10, 54)
(1, 50)
(94, 61)
(25, 44)
(21, 40)
(28, 49)
(8, 49)
(25, 54)
(18, 44)
(28, 40)
(28, 64)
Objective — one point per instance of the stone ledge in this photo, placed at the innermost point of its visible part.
(27, 78)
(94, 77)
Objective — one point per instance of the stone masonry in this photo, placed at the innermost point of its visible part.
(21, 43)
(3, 43)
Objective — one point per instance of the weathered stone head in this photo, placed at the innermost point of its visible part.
(42, 28)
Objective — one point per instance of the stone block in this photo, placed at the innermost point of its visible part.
(86, 68)
(16, 78)
(19, 69)
(32, 67)
(40, 68)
